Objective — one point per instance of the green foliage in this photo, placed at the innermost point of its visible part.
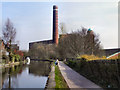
(60, 83)
(13, 58)
(17, 57)
(13, 68)
(72, 63)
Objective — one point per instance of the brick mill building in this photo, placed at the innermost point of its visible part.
(55, 30)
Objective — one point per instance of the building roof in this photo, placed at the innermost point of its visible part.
(42, 42)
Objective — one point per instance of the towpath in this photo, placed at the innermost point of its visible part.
(74, 79)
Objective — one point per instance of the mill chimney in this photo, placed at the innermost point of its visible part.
(55, 24)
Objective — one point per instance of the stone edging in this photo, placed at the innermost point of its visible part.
(51, 79)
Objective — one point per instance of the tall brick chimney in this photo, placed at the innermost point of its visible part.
(55, 24)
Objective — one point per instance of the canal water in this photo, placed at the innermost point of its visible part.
(34, 75)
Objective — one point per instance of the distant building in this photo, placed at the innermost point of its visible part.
(55, 30)
(114, 56)
(40, 42)
(2, 46)
(90, 31)
(109, 52)
(2, 50)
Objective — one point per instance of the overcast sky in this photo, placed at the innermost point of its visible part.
(33, 20)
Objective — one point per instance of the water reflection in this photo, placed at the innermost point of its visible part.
(24, 76)
(39, 69)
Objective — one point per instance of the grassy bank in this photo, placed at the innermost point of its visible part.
(60, 82)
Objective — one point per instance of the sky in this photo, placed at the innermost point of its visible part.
(33, 20)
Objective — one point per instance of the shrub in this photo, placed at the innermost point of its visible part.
(72, 63)
(17, 58)
(91, 57)
(82, 63)
(13, 58)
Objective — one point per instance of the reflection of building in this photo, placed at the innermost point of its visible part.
(55, 30)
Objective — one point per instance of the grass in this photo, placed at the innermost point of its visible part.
(60, 82)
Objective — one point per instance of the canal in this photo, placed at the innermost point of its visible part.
(34, 75)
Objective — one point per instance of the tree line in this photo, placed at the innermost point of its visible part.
(70, 45)
(74, 44)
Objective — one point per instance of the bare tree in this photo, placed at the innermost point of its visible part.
(78, 43)
(43, 51)
(62, 28)
(9, 33)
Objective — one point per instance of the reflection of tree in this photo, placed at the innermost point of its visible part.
(9, 76)
(40, 68)
(7, 82)
(9, 33)
(10, 82)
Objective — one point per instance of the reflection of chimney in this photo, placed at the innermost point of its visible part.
(55, 24)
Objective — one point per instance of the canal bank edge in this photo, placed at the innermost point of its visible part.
(51, 82)
(51, 78)
(10, 64)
